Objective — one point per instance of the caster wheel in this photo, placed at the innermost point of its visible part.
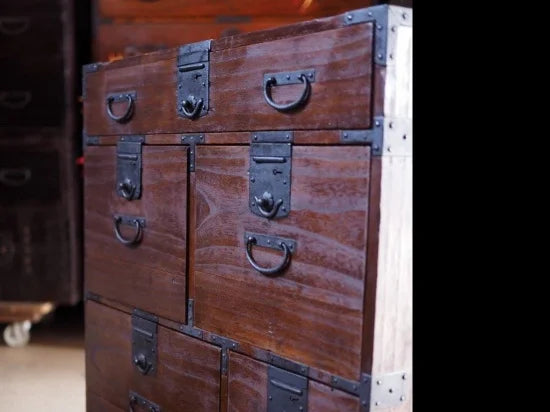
(17, 334)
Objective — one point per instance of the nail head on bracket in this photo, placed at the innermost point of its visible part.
(350, 16)
(379, 382)
(402, 398)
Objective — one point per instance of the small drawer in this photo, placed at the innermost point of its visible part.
(136, 227)
(285, 282)
(29, 178)
(182, 374)
(314, 81)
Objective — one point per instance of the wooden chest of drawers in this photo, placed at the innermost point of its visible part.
(248, 221)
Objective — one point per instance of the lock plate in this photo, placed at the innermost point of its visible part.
(144, 342)
(270, 174)
(286, 391)
(192, 74)
(128, 167)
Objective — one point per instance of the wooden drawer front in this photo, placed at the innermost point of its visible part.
(29, 178)
(26, 37)
(178, 8)
(248, 387)
(340, 96)
(313, 311)
(118, 40)
(152, 274)
(187, 377)
(34, 255)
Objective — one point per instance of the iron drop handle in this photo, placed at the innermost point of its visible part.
(192, 103)
(272, 81)
(127, 113)
(13, 26)
(267, 206)
(15, 177)
(137, 237)
(250, 241)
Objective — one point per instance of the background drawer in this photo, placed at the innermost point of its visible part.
(152, 274)
(29, 36)
(29, 177)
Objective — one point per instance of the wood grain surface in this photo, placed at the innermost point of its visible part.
(313, 312)
(340, 96)
(152, 275)
(188, 372)
(248, 389)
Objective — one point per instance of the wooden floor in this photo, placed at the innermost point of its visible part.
(48, 373)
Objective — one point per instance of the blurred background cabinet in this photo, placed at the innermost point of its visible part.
(40, 189)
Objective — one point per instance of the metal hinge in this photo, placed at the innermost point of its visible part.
(129, 164)
(286, 391)
(192, 140)
(193, 69)
(270, 173)
(385, 19)
(144, 342)
(189, 328)
(225, 344)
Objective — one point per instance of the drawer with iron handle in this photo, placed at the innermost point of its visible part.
(14, 26)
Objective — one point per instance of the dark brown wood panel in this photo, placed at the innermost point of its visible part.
(340, 96)
(313, 313)
(247, 389)
(169, 9)
(117, 40)
(188, 375)
(152, 275)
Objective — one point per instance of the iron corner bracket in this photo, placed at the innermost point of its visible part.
(192, 140)
(385, 19)
(374, 136)
(225, 344)
(189, 328)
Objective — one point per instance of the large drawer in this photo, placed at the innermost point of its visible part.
(186, 376)
(312, 310)
(180, 8)
(334, 90)
(150, 271)
(251, 388)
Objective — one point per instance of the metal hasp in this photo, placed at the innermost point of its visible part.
(128, 167)
(144, 342)
(136, 399)
(286, 391)
(192, 140)
(270, 173)
(193, 79)
(374, 137)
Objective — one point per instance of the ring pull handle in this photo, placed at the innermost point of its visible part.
(127, 189)
(192, 104)
(15, 177)
(252, 240)
(15, 100)
(129, 107)
(272, 81)
(14, 26)
(267, 206)
(147, 405)
(138, 226)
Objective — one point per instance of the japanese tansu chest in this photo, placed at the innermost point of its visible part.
(248, 221)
